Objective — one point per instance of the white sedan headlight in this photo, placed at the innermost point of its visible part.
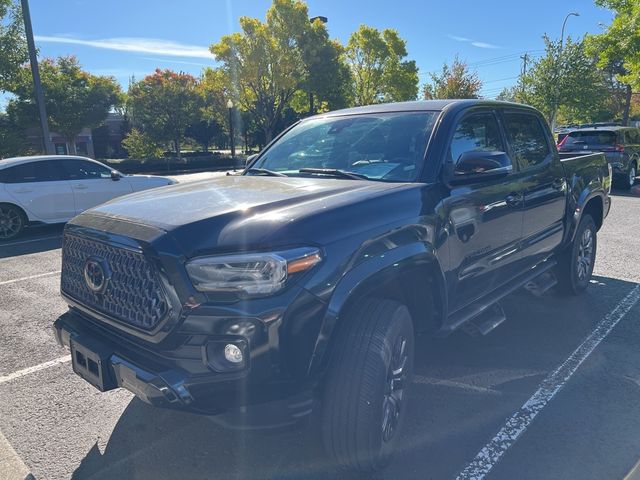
(250, 274)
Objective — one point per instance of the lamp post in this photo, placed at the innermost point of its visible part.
(557, 67)
(33, 60)
(231, 137)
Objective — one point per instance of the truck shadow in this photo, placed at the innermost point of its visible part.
(464, 388)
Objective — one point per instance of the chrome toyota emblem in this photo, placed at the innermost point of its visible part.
(96, 274)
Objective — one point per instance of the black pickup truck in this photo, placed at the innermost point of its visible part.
(300, 285)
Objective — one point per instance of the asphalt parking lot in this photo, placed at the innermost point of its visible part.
(553, 393)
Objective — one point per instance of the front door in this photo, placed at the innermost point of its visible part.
(92, 184)
(484, 217)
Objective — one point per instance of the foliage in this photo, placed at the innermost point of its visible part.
(378, 68)
(203, 132)
(141, 145)
(617, 50)
(263, 64)
(13, 44)
(74, 99)
(455, 81)
(565, 81)
(12, 138)
(163, 105)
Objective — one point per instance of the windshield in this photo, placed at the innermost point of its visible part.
(381, 146)
(603, 137)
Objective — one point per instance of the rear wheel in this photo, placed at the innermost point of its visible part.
(575, 265)
(364, 398)
(12, 222)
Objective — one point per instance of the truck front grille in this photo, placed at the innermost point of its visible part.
(132, 294)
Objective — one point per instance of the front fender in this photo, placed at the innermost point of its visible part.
(362, 274)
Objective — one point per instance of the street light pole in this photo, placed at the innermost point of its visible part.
(33, 60)
(557, 66)
(231, 137)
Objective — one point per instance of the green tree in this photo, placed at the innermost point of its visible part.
(140, 145)
(455, 81)
(617, 50)
(378, 67)
(203, 132)
(263, 63)
(565, 81)
(12, 138)
(163, 105)
(75, 99)
(13, 45)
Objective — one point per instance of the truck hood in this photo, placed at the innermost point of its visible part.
(241, 212)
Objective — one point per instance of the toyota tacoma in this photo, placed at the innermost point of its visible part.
(300, 285)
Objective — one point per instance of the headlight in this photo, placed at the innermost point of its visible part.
(250, 274)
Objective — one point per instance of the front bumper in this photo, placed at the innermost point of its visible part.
(235, 398)
(152, 382)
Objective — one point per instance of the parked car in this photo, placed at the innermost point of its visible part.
(53, 189)
(621, 146)
(302, 282)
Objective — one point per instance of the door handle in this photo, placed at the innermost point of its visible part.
(23, 190)
(80, 187)
(514, 199)
(558, 184)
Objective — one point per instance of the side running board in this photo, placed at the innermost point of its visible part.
(464, 315)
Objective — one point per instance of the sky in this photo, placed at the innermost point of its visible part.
(133, 37)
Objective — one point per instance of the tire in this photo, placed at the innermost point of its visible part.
(364, 399)
(12, 222)
(575, 265)
(625, 182)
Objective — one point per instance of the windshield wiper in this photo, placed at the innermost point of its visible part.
(335, 172)
(264, 171)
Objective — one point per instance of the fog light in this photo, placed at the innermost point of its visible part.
(232, 353)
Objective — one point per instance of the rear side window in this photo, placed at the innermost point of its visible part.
(528, 139)
(590, 138)
(479, 132)
(29, 173)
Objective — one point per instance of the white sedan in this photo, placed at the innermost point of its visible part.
(54, 189)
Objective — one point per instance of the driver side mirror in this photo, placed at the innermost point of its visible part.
(115, 175)
(477, 166)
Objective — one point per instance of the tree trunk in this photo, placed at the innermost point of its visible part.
(268, 134)
(627, 105)
(72, 145)
(176, 143)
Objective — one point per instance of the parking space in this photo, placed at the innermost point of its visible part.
(586, 425)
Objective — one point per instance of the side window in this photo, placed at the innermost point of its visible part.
(83, 170)
(478, 132)
(528, 139)
(29, 173)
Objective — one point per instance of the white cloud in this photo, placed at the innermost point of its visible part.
(484, 45)
(152, 46)
(459, 39)
(472, 42)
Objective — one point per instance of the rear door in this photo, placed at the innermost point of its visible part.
(41, 190)
(484, 217)
(544, 183)
(92, 184)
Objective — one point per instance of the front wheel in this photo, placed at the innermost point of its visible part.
(575, 265)
(364, 401)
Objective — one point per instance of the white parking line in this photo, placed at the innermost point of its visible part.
(517, 424)
(36, 368)
(22, 242)
(30, 277)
